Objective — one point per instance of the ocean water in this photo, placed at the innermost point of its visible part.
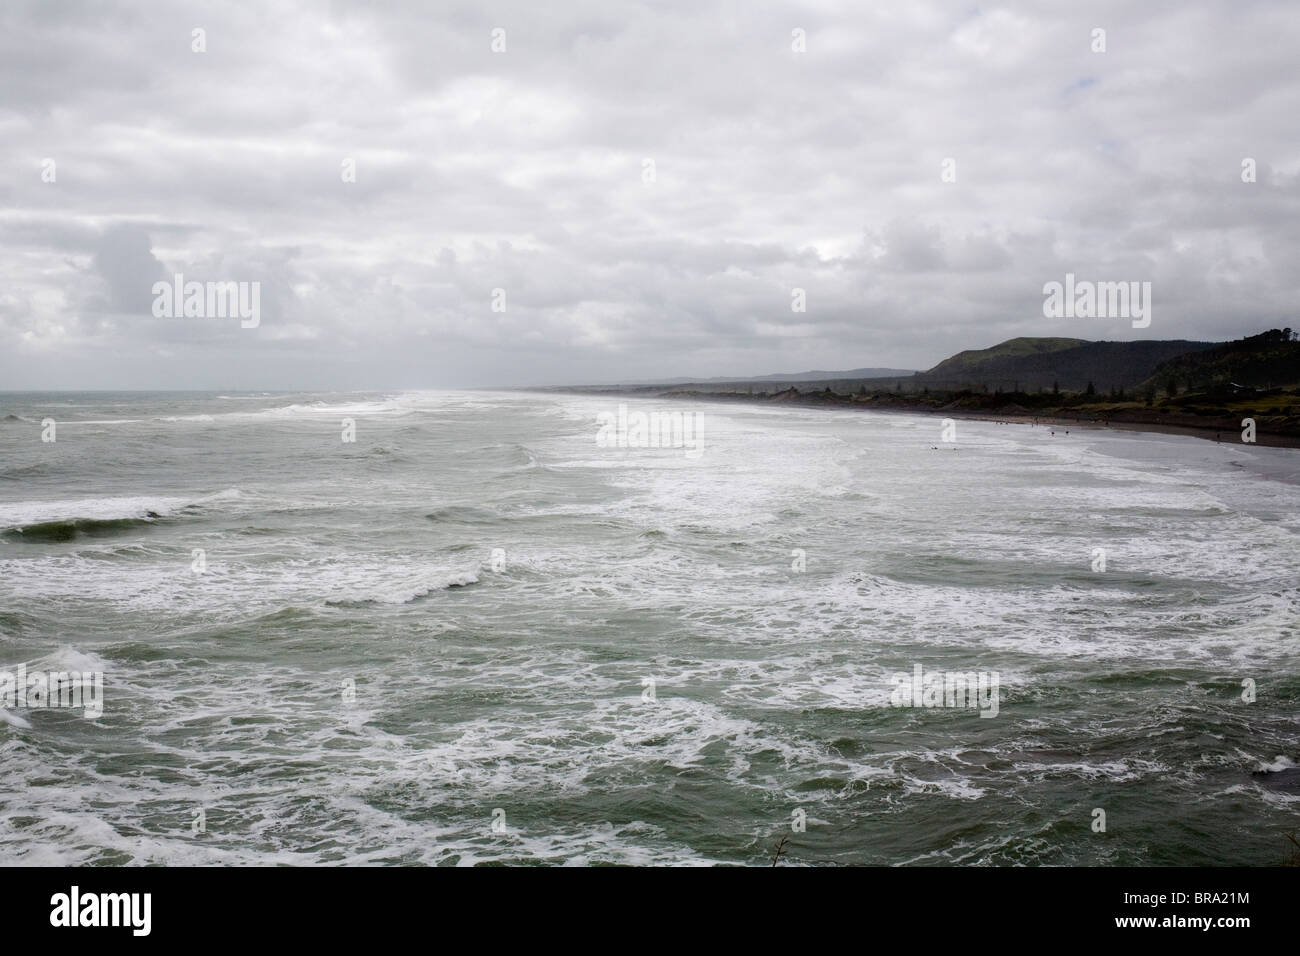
(476, 635)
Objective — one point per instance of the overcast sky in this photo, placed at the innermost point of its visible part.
(525, 170)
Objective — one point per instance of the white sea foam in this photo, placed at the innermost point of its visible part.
(522, 688)
(1278, 763)
(20, 513)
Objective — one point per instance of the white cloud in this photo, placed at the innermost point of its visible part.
(523, 171)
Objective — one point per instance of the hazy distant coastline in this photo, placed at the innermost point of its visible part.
(1202, 389)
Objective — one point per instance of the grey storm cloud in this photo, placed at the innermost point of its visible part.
(125, 261)
(647, 184)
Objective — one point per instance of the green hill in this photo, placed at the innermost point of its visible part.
(974, 362)
(1268, 360)
(1068, 364)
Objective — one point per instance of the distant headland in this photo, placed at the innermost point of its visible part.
(1200, 388)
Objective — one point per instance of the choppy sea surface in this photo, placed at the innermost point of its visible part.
(476, 635)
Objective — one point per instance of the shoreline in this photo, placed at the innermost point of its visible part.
(1219, 434)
